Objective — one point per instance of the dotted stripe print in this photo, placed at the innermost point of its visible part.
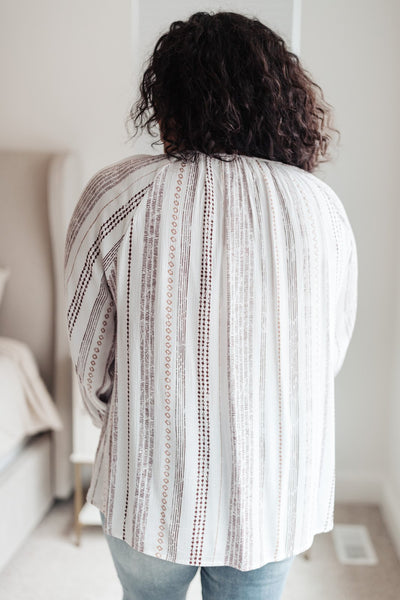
(247, 286)
(293, 399)
(278, 325)
(203, 372)
(240, 265)
(263, 357)
(96, 310)
(169, 368)
(85, 275)
(112, 464)
(275, 250)
(328, 401)
(232, 550)
(92, 325)
(144, 466)
(109, 262)
(306, 278)
(108, 318)
(128, 381)
(108, 502)
(97, 463)
(305, 193)
(180, 420)
(99, 185)
(250, 368)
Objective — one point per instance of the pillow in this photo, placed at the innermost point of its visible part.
(4, 275)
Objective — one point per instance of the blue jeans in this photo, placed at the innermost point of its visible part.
(145, 577)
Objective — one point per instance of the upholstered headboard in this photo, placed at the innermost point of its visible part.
(38, 192)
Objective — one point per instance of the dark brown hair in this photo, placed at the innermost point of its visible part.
(226, 84)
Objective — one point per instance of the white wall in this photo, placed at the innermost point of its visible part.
(66, 77)
(352, 49)
(67, 73)
(69, 69)
(275, 13)
(149, 23)
(392, 488)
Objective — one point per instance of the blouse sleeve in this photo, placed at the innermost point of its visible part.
(346, 308)
(91, 315)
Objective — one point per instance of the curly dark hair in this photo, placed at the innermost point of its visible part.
(225, 84)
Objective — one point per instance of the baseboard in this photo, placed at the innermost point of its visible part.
(390, 507)
(373, 488)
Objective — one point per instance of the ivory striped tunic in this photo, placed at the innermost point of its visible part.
(210, 305)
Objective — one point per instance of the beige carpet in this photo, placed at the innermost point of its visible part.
(51, 567)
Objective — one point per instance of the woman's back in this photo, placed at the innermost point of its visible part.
(223, 299)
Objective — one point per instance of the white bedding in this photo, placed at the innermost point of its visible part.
(25, 404)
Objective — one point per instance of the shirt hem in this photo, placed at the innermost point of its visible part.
(211, 562)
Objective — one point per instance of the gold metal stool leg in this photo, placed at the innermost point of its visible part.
(78, 502)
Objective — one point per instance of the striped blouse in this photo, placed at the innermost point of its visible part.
(210, 305)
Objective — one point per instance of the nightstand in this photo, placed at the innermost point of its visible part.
(85, 441)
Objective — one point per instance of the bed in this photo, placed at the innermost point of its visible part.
(38, 193)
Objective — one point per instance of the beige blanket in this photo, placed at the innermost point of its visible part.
(25, 404)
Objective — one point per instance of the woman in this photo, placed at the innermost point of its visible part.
(211, 295)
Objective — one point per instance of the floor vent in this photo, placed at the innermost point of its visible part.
(353, 545)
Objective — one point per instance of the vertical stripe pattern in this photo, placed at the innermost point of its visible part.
(210, 305)
(203, 373)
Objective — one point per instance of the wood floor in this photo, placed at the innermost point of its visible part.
(51, 567)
